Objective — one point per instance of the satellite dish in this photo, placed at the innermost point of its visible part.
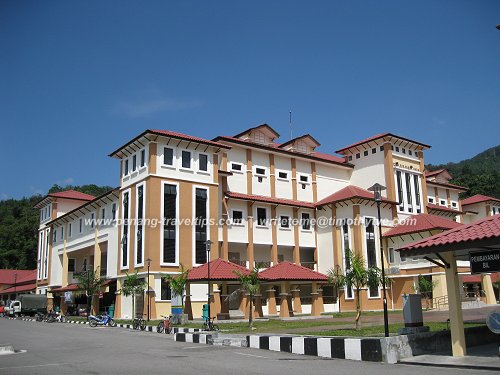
(493, 321)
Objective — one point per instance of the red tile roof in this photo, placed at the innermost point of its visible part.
(290, 271)
(72, 194)
(448, 185)
(433, 173)
(219, 270)
(466, 235)
(171, 134)
(477, 278)
(378, 136)
(19, 288)
(437, 207)
(421, 223)
(8, 276)
(276, 147)
(69, 288)
(263, 199)
(350, 192)
(478, 198)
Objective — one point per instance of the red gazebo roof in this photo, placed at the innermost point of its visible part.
(290, 271)
(219, 270)
(478, 234)
(421, 223)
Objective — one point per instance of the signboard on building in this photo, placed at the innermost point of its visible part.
(68, 297)
(176, 303)
(485, 261)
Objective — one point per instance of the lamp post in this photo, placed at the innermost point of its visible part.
(15, 285)
(147, 293)
(377, 193)
(208, 244)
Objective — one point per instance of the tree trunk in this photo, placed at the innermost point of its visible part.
(250, 320)
(358, 309)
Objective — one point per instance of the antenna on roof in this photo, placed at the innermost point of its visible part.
(290, 123)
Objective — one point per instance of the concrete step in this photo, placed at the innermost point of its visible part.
(226, 340)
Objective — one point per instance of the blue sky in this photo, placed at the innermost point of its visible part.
(80, 78)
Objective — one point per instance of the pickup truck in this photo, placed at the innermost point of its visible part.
(27, 304)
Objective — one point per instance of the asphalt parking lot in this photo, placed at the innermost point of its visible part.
(79, 349)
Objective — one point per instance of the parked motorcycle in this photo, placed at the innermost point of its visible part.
(101, 320)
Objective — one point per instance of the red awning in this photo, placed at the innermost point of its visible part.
(19, 288)
(219, 270)
(69, 288)
(477, 278)
(290, 271)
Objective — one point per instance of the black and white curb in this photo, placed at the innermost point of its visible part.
(362, 349)
(197, 338)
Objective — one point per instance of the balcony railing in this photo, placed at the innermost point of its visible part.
(242, 263)
(262, 264)
(310, 265)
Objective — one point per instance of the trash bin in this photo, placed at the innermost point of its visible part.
(111, 310)
(205, 311)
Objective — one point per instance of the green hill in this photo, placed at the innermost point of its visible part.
(481, 174)
(19, 227)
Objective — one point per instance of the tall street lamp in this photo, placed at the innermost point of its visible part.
(147, 294)
(15, 286)
(377, 192)
(208, 244)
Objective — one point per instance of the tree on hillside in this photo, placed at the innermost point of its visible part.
(87, 189)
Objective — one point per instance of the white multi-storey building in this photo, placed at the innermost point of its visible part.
(265, 203)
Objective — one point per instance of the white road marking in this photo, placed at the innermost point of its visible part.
(251, 355)
(46, 365)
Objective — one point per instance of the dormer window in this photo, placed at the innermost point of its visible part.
(302, 147)
(259, 137)
(365, 153)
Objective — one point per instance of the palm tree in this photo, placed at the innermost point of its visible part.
(90, 282)
(250, 285)
(336, 278)
(178, 283)
(359, 277)
(133, 285)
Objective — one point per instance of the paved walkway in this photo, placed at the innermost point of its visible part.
(485, 357)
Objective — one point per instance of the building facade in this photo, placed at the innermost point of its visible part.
(259, 202)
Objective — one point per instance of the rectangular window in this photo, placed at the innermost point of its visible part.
(166, 292)
(284, 221)
(169, 226)
(71, 265)
(260, 171)
(358, 155)
(431, 200)
(261, 216)
(391, 255)
(374, 150)
(203, 162)
(81, 225)
(304, 179)
(404, 150)
(408, 192)
(186, 159)
(238, 217)
(442, 202)
(305, 221)
(70, 227)
(347, 262)
(397, 149)
(92, 217)
(454, 205)
(365, 153)
(201, 226)
(125, 169)
(168, 156)
(124, 242)
(371, 250)
(236, 167)
(54, 237)
(143, 158)
(410, 152)
(283, 175)
(62, 233)
(134, 162)
(381, 148)
(103, 213)
(417, 192)
(399, 182)
(350, 157)
(113, 211)
(140, 226)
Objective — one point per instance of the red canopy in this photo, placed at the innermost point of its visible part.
(290, 271)
(219, 270)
